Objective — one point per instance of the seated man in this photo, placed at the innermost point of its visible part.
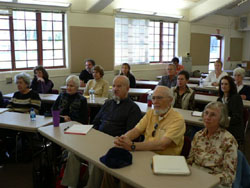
(162, 127)
(116, 117)
(86, 74)
(183, 95)
(170, 80)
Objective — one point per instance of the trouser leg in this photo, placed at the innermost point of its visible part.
(95, 176)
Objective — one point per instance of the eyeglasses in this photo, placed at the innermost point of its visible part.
(155, 127)
(157, 97)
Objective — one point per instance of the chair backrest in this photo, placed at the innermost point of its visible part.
(245, 119)
(186, 147)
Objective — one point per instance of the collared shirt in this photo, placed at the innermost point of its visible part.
(165, 81)
(239, 87)
(172, 126)
(115, 118)
(218, 153)
(212, 78)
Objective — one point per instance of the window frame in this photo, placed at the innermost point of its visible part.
(39, 41)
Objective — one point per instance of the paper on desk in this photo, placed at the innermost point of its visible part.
(2, 110)
(196, 113)
(78, 129)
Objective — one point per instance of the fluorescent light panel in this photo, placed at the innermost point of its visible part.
(45, 2)
(148, 13)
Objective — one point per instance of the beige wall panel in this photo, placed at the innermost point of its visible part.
(199, 48)
(94, 43)
(236, 49)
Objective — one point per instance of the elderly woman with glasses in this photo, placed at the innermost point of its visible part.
(72, 105)
(214, 149)
(243, 90)
(25, 98)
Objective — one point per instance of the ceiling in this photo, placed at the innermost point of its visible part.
(235, 10)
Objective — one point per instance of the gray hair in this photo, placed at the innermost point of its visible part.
(173, 65)
(75, 80)
(166, 91)
(26, 78)
(240, 71)
(224, 121)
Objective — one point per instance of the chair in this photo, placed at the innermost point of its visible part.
(242, 178)
(186, 147)
(55, 91)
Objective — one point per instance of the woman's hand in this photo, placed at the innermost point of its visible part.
(40, 79)
(66, 118)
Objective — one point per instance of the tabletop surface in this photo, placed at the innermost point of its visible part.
(139, 174)
(22, 122)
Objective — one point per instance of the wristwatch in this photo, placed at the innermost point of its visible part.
(133, 146)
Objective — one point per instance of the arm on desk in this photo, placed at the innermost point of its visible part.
(125, 142)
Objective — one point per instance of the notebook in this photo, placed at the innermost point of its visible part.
(78, 129)
(169, 164)
(196, 113)
(2, 110)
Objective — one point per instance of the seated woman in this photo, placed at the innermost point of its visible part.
(214, 149)
(228, 95)
(100, 86)
(214, 77)
(72, 105)
(243, 90)
(183, 95)
(24, 99)
(179, 67)
(41, 82)
(126, 71)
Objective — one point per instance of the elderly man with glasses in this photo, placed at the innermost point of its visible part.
(162, 127)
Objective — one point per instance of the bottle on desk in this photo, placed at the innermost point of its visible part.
(32, 114)
(149, 100)
(201, 82)
(92, 94)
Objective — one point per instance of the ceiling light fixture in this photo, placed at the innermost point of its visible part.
(241, 2)
(151, 13)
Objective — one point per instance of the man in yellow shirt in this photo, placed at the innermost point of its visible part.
(162, 127)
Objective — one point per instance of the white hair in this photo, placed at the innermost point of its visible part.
(26, 78)
(240, 71)
(73, 78)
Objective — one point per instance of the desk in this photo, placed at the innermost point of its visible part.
(22, 122)
(197, 121)
(214, 89)
(139, 174)
(47, 98)
(80, 89)
(207, 98)
(155, 83)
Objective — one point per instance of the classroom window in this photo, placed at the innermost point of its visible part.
(215, 50)
(140, 41)
(29, 38)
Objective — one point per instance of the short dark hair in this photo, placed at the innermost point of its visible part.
(45, 73)
(99, 69)
(90, 60)
(175, 59)
(233, 89)
(185, 73)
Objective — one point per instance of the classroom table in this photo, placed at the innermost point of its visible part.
(139, 174)
(47, 98)
(132, 91)
(21, 122)
(155, 83)
(187, 114)
(207, 98)
(192, 80)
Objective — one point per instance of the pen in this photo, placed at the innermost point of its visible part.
(65, 129)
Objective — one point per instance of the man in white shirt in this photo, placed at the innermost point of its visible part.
(214, 77)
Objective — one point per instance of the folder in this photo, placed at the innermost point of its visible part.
(169, 164)
(79, 129)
